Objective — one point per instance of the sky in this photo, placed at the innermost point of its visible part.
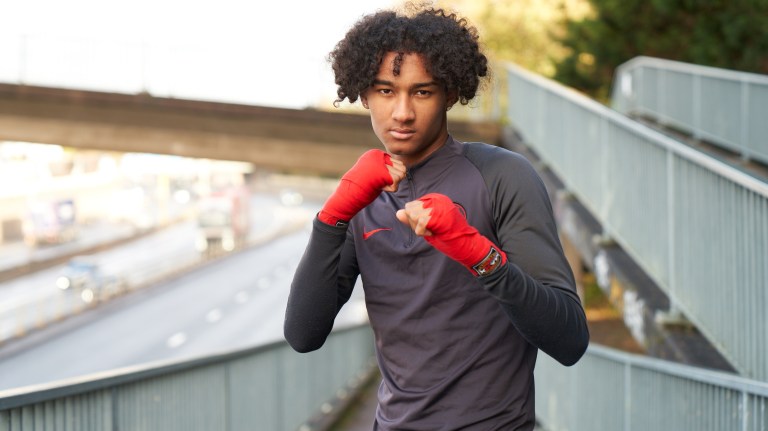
(270, 53)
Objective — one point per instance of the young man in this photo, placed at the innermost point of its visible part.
(463, 272)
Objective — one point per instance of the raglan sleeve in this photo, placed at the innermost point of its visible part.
(322, 284)
(536, 287)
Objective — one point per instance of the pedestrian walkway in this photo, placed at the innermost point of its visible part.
(359, 415)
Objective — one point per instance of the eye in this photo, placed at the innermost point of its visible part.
(423, 93)
(384, 91)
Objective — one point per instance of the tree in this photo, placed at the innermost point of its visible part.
(526, 32)
(730, 34)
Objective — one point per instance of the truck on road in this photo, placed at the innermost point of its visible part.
(50, 222)
(223, 220)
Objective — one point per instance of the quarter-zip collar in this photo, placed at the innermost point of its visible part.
(422, 177)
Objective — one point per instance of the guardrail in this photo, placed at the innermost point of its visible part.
(723, 107)
(616, 391)
(697, 227)
(269, 388)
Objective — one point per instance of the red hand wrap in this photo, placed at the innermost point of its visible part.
(457, 239)
(358, 187)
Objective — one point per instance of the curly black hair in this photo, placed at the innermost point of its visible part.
(447, 43)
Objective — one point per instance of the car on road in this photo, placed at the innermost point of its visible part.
(91, 278)
(290, 197)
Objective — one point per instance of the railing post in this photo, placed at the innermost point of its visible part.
(671, 269)
(744, 413)
(639, 82)
(604, 180)
(227, 397)
(674, 315)
(540, 113)
(661, 100)
(627, 396)
(696, 132)
(744, 117)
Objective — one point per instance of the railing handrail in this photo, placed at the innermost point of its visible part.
(702, 159)
(624, 387)
(23, 396)
(679, 66)
(18, 397)
(719, 106)
(688, 372)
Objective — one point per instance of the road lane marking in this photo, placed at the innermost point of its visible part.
(176, 340)
(213, 316)
(263, 283)
(241, 297)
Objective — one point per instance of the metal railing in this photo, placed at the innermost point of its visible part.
(612, 390)
(697, 226)
(724, 107)
(269, 388)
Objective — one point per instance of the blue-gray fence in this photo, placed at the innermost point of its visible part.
(696, 225)
(724, 107)
(268, 388)
(610, 390)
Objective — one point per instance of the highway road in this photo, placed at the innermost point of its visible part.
(219, 305)
(33, 300)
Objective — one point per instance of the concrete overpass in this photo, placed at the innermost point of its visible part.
(301, 141)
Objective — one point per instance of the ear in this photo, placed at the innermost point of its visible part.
(451, 99)
(364, 101)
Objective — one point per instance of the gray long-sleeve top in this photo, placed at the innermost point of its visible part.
(455, 351)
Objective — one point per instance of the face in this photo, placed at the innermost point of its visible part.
(408, 111)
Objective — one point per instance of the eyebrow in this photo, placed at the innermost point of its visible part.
(414, 86)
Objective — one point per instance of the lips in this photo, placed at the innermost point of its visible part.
(401, 133)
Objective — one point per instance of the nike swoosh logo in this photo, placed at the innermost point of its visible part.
(370, 233)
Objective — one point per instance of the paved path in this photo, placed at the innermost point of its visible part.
(361, 412)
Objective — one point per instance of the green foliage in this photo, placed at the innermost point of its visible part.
(731, 34)
(522, 31)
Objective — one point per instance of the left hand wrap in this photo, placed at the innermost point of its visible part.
(457, 239)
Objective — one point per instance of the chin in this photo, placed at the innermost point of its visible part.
(400, 152)
(394, 148)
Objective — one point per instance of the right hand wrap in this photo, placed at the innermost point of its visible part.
(456, 238)
(360, 186)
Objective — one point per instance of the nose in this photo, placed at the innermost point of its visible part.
(403, 110)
